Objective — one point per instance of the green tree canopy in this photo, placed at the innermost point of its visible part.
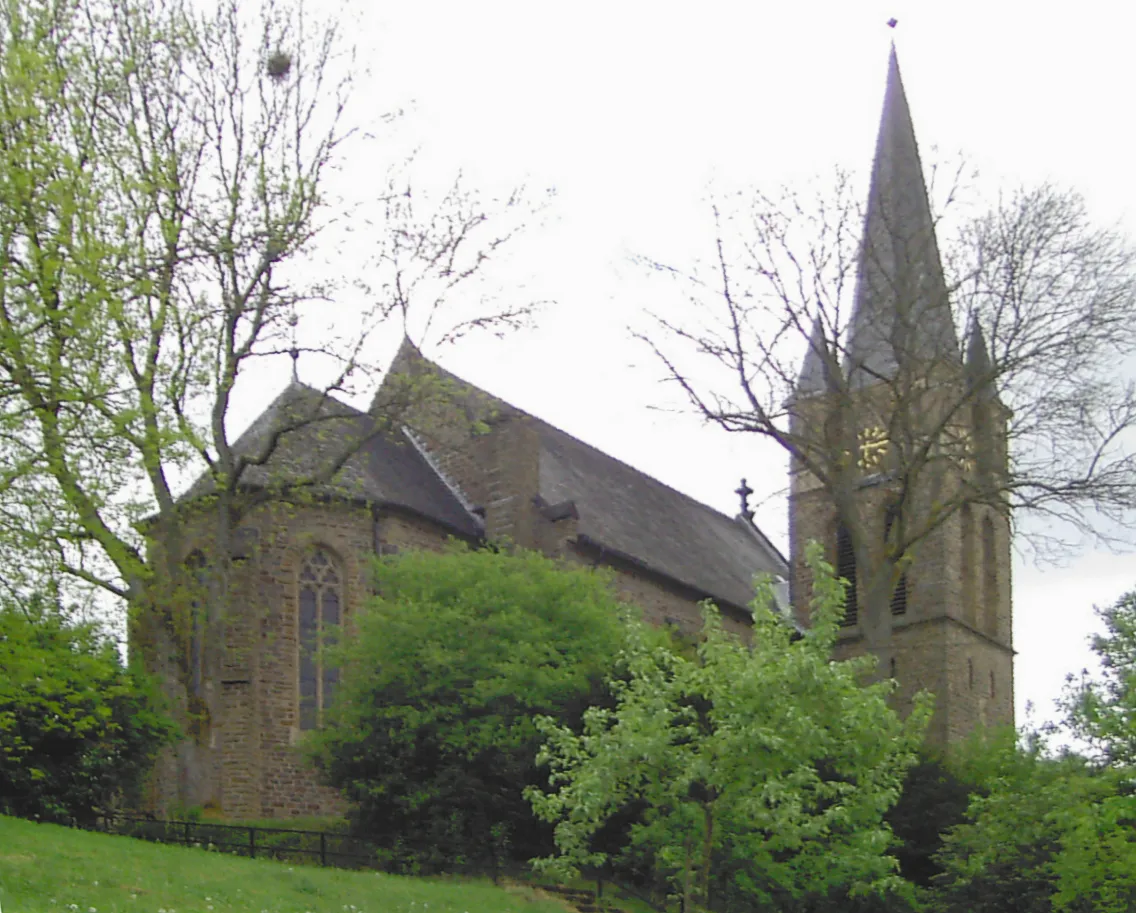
(77, 729)
(1043, 833)
(432, 735)
(762, 768)
(1101, 710)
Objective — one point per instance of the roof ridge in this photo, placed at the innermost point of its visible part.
(604, 453)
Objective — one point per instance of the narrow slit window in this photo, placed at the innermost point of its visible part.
(198, 579)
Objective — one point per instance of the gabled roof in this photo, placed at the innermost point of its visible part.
(901, 308)
(628, 513)
(631, 514)
(618, 508)
(318, 431)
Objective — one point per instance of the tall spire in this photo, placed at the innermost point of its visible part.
(901, 309)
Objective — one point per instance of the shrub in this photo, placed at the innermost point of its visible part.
(77, 728)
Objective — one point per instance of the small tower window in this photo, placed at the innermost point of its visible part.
(846, 568)
(991, 684)
(970, 674)
(320, 602)
(892, 667)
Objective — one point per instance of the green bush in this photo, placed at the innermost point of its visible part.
(77, 729)
(432, 734)
(760, 771)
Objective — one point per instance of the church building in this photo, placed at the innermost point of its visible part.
(451, 461)
(459, 464)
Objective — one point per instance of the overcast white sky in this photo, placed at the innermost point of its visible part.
(628, 109)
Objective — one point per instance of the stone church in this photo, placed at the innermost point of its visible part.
(466, 465)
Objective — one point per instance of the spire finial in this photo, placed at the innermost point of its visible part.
(293, 321)
(744, 492)
(893, 22)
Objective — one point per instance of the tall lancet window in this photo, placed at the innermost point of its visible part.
(321, 601)
(846, 568)
(989, 579)
(197, 578)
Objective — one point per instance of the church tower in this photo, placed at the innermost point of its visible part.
(901, 459)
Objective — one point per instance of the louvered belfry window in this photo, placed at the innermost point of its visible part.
(899, 594)
(321, 598)
(846, 568)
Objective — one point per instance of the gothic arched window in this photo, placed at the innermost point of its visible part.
(320, 604)
(846, 568)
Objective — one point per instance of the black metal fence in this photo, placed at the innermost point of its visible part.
(313, 847)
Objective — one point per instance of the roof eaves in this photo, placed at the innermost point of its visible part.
(720, 601)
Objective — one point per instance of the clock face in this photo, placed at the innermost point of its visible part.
(873, 448)
(965, 448)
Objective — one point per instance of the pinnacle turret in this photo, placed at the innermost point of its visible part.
(818, 366)
(979, 368)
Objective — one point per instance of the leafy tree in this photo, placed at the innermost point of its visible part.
(765, 768)
(77, 729)
(1043, 834)
(165, 212)
(934, 799)
(1101, 710)
(432, 735)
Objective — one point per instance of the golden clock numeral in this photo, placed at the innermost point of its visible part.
(873, 447)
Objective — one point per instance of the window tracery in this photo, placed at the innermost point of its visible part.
(320, 614)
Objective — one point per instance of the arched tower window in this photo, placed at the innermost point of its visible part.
(320, 602)
(899, 594)
(989, 579)
(846, 568)
(966, 544)
(197, 578)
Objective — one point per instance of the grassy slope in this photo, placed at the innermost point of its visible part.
(46, 869)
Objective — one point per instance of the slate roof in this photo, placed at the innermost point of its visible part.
(901, 307)
(632, 514)
(619, 509)
(383, 469)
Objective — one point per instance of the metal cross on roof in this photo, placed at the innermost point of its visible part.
(744, 492)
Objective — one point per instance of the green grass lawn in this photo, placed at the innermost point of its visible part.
(49, 869)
